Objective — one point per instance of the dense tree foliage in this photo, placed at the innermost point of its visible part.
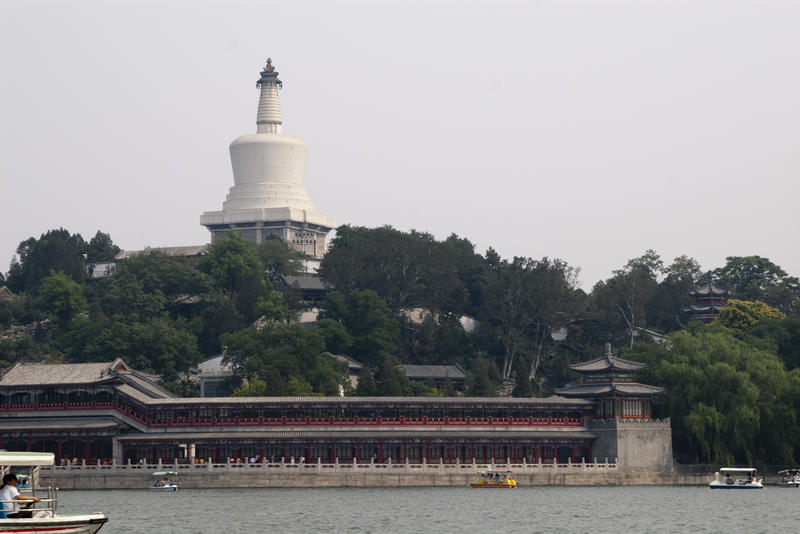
(728, 400)
(515, 325)
(54, 251)
(757, 278)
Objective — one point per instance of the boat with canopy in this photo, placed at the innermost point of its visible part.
(495, 479)
(165, 481)
(736, 478)
(41, 516)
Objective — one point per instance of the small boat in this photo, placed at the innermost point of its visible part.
(165, 481)
(495, 479)
(790, 478)
(736, 478)
(43, 516)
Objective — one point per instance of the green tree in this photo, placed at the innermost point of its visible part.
(391, 381)
(407, 270)
(157, 344)
(101, 248)
(60, 298)
(254, 388)
(739, 316)
(622, 300)
(526, 300)
(55, 250)
(482, 378)
(782, 335)
(756, 278)
(279, 259)
(369, 324)
(278, 352)
(728, 401)
(522, 386)
(366, 384)
(236, 270)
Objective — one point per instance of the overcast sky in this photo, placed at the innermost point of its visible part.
(587, 131)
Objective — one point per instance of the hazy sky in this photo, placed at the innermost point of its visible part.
(587, 131)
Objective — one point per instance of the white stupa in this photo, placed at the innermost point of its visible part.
(268, 197)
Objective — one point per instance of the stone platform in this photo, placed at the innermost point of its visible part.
(263, 475)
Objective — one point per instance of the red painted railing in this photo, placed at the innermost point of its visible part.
(133, 411)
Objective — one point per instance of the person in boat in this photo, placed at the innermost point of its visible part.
(9, 492)
(728, 479)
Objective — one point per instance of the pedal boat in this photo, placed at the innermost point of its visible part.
(790, 478)
(45, 517)
(495, 479)
(165, 481)
(736, 478)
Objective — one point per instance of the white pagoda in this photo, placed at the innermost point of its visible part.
(268, 197)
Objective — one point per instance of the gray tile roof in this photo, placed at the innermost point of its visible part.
(351, 363)
(627, 388)
(608, 361)
(145, 383)
(57, 423)
(306, 282)
(24, 374)
(190, 250)
(383, 402)
(453, 372)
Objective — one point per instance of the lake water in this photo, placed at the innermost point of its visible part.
(442, 510)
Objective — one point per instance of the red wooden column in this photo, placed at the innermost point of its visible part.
(450, 452)
(380, 452)
(428, 452)
(358, 452)
(87, 454)
(516, 452)
(572, 452)
(164, 453)
(211, 452)
(29, 441)
(405, 451)
(536, 452)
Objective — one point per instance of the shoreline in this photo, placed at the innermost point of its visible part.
(311, 475)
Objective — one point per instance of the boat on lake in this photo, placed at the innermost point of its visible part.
(790, 478)
(494, 479)
(736, 478)
(42, 516)
(165, 481)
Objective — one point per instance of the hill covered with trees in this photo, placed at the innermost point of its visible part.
(404, 298)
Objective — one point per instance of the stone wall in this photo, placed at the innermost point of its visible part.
(636, 444)
(363, 475)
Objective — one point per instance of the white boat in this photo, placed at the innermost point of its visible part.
(790, 478)
(165, 481)
(736, 478)
(44, 514)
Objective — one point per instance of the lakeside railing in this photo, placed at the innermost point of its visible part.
(319, 467)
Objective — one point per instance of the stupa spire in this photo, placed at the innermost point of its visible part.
(269, 117)
(268, 197)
